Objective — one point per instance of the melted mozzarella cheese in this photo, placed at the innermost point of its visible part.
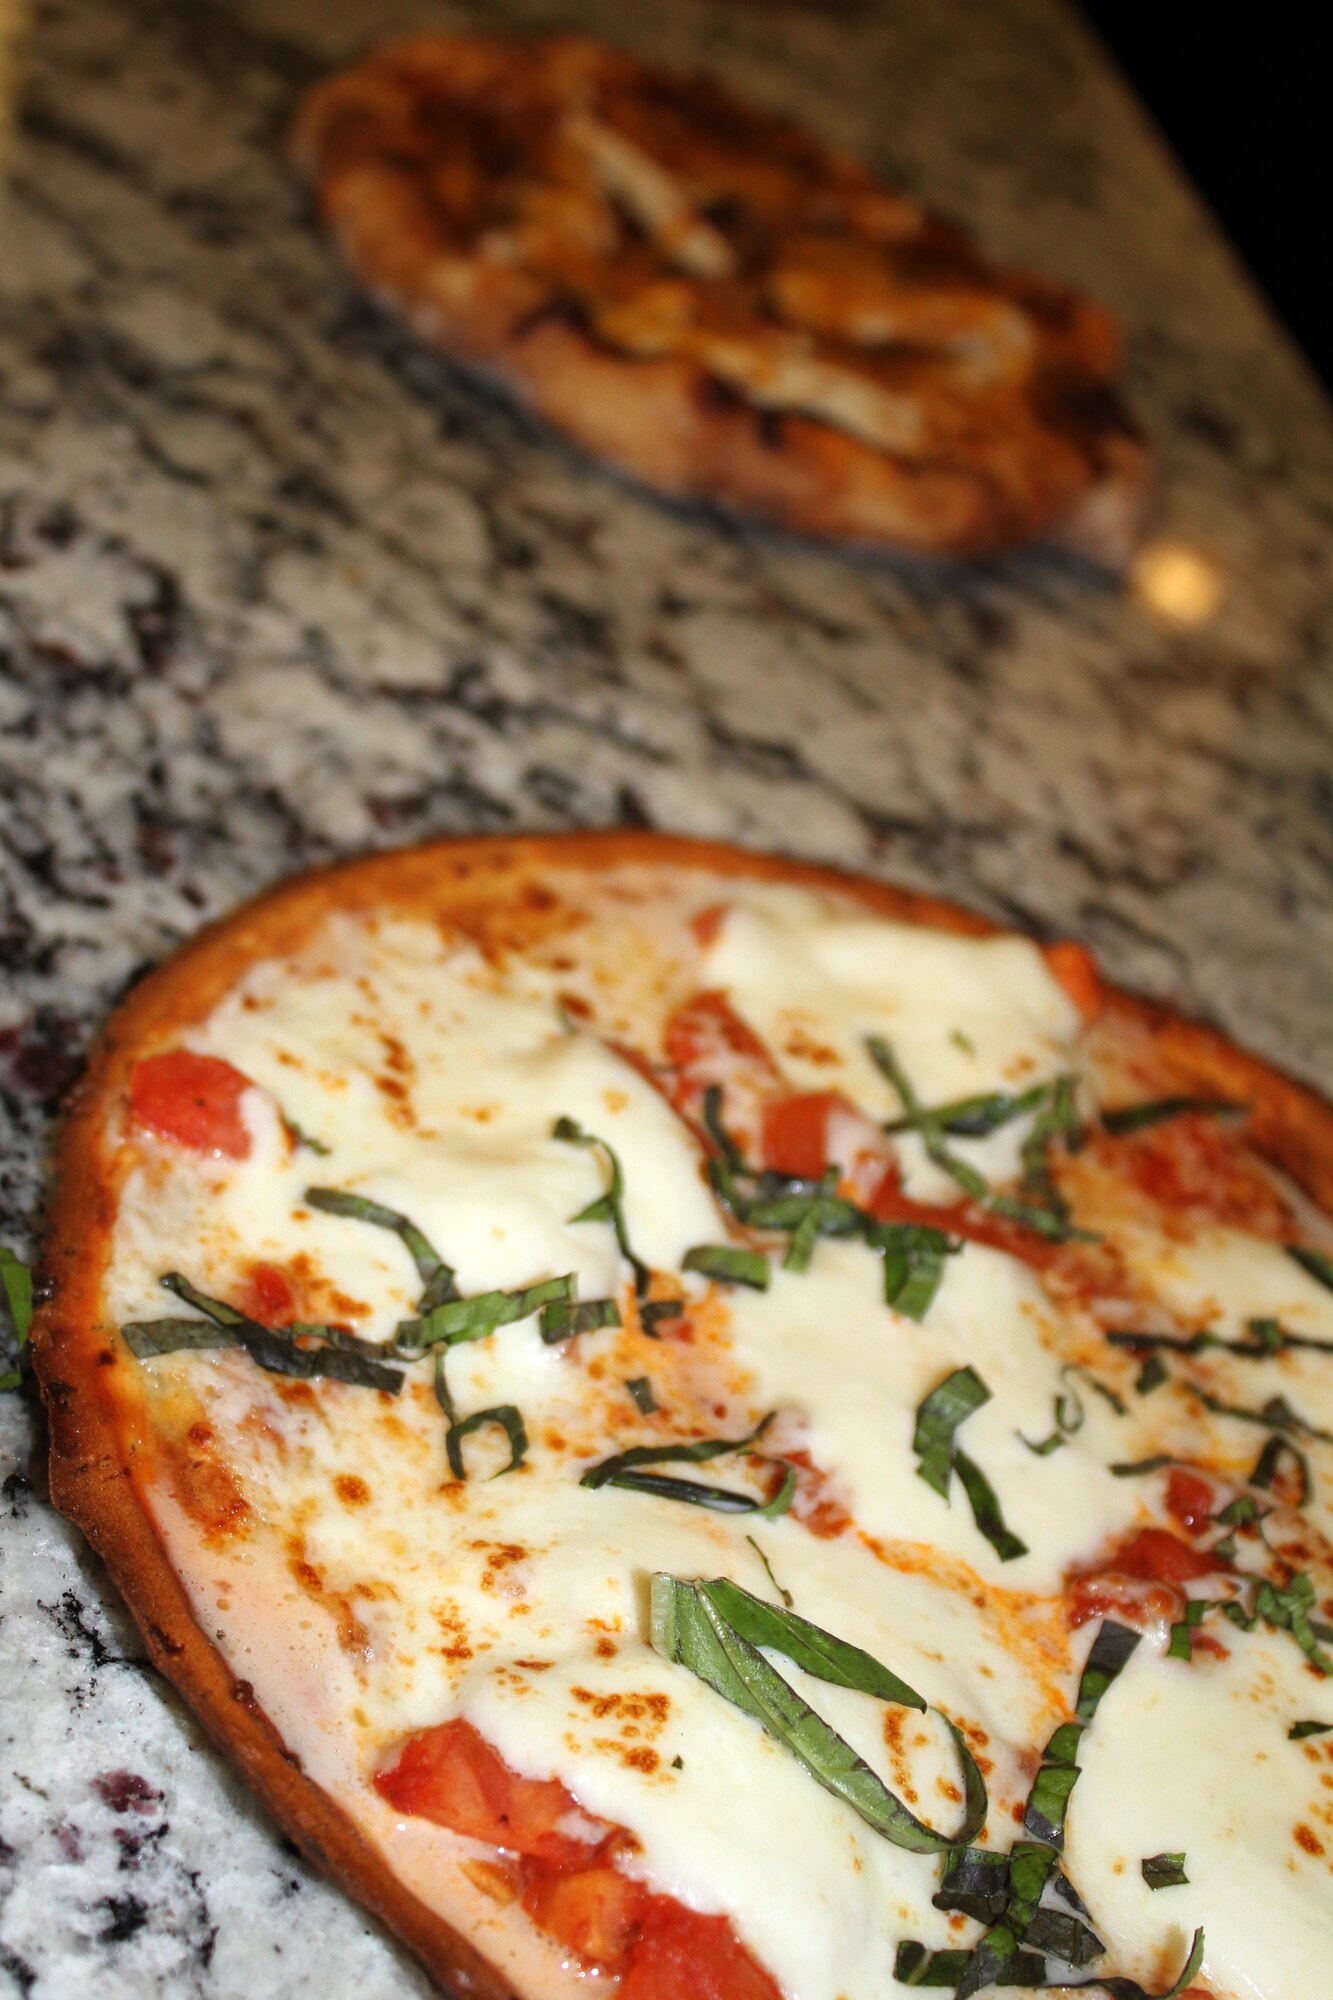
(370, 1595)
(963, 1015)
(823, 1343)
(1195, 1758)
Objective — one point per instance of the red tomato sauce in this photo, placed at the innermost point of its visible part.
(193, 1100)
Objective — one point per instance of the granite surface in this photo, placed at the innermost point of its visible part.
(275, 586)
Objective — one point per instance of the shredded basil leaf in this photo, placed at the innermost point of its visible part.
(808, 1646)
(935, 1442)
(1137, 1117)
(1300, 1730)
(1152, 1375)
(914, 1257)
(624, 1469)
(781, 1590)
(608, 1207)
(641, 1391)
(1046, 1212)
(16, 1282)
(1263, 1339)
(275, 1349)
(1138, 1467)
(1317, 1262)
(1274, 1415)
(973, 1117)
(1269, 1460)
(1048, 1800)
(507, 1419)
(561, 1319)
(690, 1627)
(733, 1266)
(300, 1137)
(434, 1273)
(653, 1311)
(457, 1320)
(1164, 1871)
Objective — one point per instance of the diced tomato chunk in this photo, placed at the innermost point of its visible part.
(888, 1203)
(1189, 1499)
(267, 1296)
(681, 1955)
(795, 1132)
(706, 924)
(1073, 967)
(592, 1911)
(1127, 1599)
(1157, 1556)
(450, 1774)
(194, 1100)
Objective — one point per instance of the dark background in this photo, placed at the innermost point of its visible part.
(1239, 96)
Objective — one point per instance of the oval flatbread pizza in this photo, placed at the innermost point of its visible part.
(718, 1427)
(710, 297)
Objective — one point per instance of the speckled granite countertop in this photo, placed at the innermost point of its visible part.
(275, 586)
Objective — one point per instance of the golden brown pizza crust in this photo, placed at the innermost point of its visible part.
(710, 297)
(497, 890)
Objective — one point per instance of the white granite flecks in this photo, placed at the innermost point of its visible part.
(277, 585)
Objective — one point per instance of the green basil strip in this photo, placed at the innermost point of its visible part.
(1129, 1989)
(1151, 1376)
(608, 1470)
(974, 1882)
(975, 1117)
(772, 1510)
(300, 1137)
(1290, 1610)
(608, 1207)
(730, 1264)
(459, 1320)
(1164, 1871)
(1138, 1117)
(1047, 1214)
(561, 1319)
(1317, 1262)
(986, 1509)
(914, 1257)
(1300, 1730)
(431, 1267)
(717, 1131)
(273, 1348)
(16, 1282)
(1057, 1118)
(690, 1492)
(641, 1391)
(807, 1645)
(1137, 1468)
(949, 1404)
(1070, 1415)
(654, 1311)
(1270, 1458)
(506, 1418)
(1064, 1936)
(147, 1338)
(1048, 1800)
(688, 1628)
(781, 1589)
(443, 1395)
(914, 1965)
(1275, 1415)
(1263, 1339)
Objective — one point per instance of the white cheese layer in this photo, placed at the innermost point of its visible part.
(1195, 1758)
(963, 1015)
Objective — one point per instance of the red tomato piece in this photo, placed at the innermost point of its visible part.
(795, 1132)
(450, 1774)
(707, 923)
(592, 1911)
(1189, 1499)
(1157, 1556)
(194, 1100)
(707, 1032)
(267, 1296)
(1073, 967)
(681, 1955)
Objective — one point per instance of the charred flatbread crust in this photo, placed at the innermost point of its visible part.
(710, 297)
(499, 892)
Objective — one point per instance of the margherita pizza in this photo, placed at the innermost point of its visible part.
(713, 1426)
(712, 298)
